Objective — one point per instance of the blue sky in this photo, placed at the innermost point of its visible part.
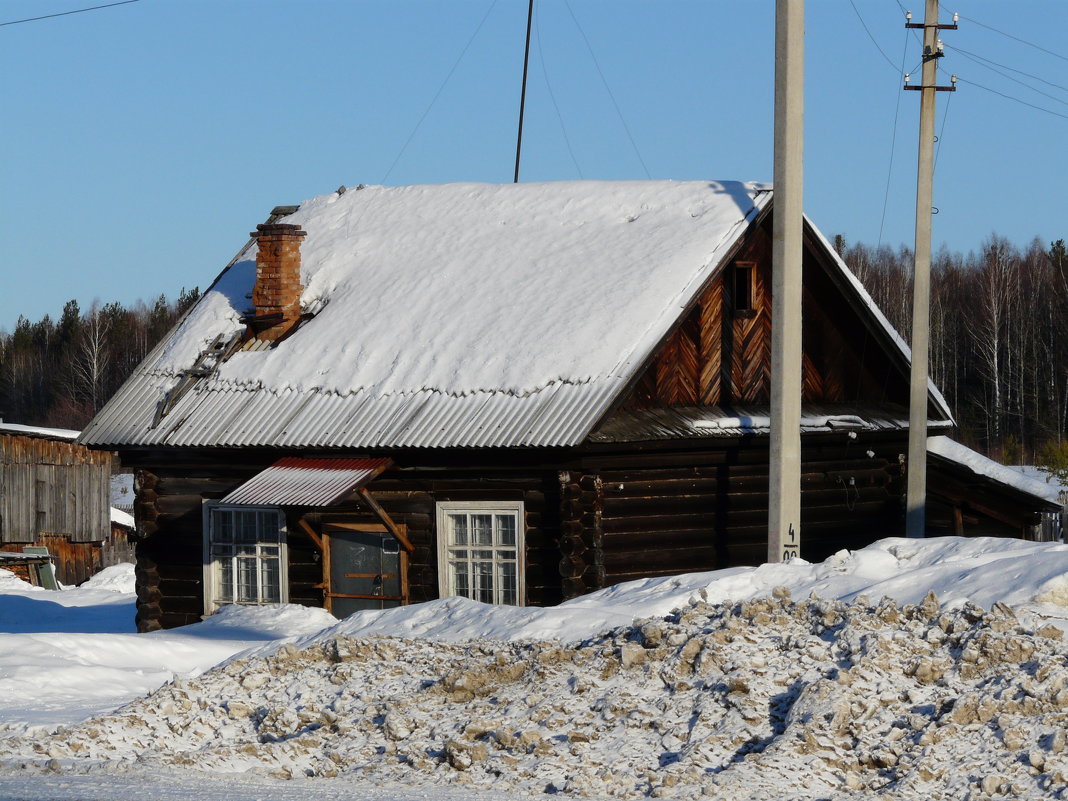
(143, 142)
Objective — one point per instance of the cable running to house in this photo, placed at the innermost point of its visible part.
(552, 95)
(942, 130)
(441, 88)
(864, 25)
(67, 13)
(607, 88)
(893, 140)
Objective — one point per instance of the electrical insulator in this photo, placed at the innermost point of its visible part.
(908, 16)
(953, 79)
(956, 17)
(907, 76)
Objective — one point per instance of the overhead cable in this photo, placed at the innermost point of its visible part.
(864, 25)
(607, 88)
(986, 62)
(1016, 38)
(1010, 97)
(552, 96)
(441, 88)
(66, 13)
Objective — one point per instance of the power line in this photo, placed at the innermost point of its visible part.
(985, 62)
(1016, 38)
(942, 130)
(864, 25)
(893, 143)
(552, 96)
(66, 13)
(441, 88)
(1014, 99)
(607, 88)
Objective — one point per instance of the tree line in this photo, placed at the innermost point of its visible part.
(59, 373)
(999, 345)
(999, 338)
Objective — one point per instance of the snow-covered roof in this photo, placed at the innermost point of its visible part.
(982, 466)
(460, 314)
(122, 518)
(38, 431)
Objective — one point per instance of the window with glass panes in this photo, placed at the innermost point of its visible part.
(480, 551)
(246, 556)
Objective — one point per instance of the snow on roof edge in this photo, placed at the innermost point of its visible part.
(39, 431)
(980, 465)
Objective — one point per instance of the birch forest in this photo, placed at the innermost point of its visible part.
(58, 373)
(999, 338)
(999, 345)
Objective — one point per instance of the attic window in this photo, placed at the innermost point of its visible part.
(743, 289)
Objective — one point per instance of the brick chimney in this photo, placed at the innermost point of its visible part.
(276, 296)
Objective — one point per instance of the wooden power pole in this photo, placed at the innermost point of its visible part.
(784, 499)
(916, 491)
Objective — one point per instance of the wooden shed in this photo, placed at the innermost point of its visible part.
(514, 393)
(54, 494)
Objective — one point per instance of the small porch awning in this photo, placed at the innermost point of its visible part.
(297, 481)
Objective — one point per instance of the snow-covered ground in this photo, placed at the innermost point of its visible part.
(732, 684)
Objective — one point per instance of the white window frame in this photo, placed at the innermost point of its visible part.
(446, 575)
(212, 601)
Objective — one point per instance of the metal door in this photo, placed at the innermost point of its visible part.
(365, 571)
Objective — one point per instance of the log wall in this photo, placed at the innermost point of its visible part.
(169, 515)
(671, 513)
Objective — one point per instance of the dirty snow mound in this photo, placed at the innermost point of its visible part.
(732, 700)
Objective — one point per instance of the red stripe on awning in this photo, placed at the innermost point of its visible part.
(296, 481)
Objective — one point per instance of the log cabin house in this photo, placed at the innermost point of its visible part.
(515, 393)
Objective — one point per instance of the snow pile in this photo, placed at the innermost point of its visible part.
(734, 700)
(116, 578)
(1031, 577)
(71, 654)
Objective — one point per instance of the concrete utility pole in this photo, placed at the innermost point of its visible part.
(784, 498)
(916, 493)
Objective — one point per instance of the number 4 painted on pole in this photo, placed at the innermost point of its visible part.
(791, 547)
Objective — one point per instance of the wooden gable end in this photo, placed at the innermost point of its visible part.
(720, 352)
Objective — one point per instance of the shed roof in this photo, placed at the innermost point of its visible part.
(39, 432)
(453, 315)
(980, 467)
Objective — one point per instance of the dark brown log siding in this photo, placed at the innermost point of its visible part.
(169, 512)
(670, 518)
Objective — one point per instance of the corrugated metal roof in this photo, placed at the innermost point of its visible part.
(296, 481)
(353, 398)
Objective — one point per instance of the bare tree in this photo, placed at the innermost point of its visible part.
(89, 366)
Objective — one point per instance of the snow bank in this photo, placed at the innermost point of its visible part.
(1032, 577)
(736, 700)
(71, 654)
(730, 684)
(117, 578)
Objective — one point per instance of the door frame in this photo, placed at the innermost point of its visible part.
(374, 528)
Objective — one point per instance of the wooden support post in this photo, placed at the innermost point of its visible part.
(382, 515)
